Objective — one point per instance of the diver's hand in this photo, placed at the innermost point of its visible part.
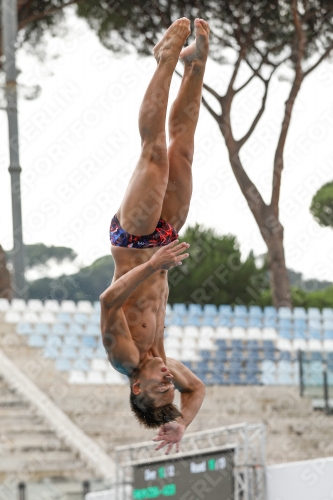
(169, 256)
(170, 434)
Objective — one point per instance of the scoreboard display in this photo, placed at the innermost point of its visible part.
(205, 475)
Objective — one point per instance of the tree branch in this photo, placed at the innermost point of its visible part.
(40, 15)
(211, 111)
(248, 134)
(289, 105)
(322, 57)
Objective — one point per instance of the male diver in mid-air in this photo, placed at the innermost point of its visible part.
(144, 238)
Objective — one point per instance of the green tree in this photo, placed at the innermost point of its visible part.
(214, 273)
(87, 284)
(39, 255)
(322, 205)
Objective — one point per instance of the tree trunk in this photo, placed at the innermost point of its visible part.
(5, 278)
(281, 294)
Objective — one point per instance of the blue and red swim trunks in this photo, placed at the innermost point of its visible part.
(164, 234)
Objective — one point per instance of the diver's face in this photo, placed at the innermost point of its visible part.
(157, 381)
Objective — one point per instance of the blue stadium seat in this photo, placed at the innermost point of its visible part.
(194, 310)
(42, 329)
(210, 310)
(237, 345)
(269, 322)
(221, 344)
(86, 352)
(251, 367)
(255, 312)
(285, 356)
(314, 313)
(75, 329)
(252, 378)
(202, 366)
(176, 320)
(299, 313)
(81, 318)
(224, 321)
(285, 323)
(328, 324)
(50, 352)
(239, 321)
(314, 333)
(328, 334)
(219, 366)
(68, 352)
(23, 329)
(92, 330)
(240, 311)
(64, 317)
(329, 356)
(235, 378)
(327, 313)
(284, 378)
(314, 323)
(269, 355)
(89, 341)
(225, 310)
(53, 341)
(63, 365)
(300, 323)
(97, 306)
(192, 321)
(180, 309)
(82, 365)
(36, 341)
(253, 345)
(254, 355)
(208, 321)
(205, 355)
(72, 341)
(221, 355)
(269, 345)
(316, 356)
(300, 334)
(270, 312)
(235, 366)
(285, 313)
(95, 319)
(59, 329)
(217, 379)
(285, 333)
(237, 356)
(254, 322)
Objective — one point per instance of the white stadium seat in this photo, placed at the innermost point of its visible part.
(172, 353)
(4, 305)
(315, 345)
(18, 305)
(12, 317)
(300, 344)
(328, 345)
(84, 306)
(269, 334)
(174, 331)
(189, 355)
(191, 332)
(238, 333)
(30, 317)
(222, 332)
(254, 333)
(35, 305)
(284, 344)
(95, 377)
(113, 377)
(47, 317)
(68, 306)
(206, 344)
(172, 343)
(99, 365)
(76, 377)
(52, 306)
(189, 343)
(207, 332)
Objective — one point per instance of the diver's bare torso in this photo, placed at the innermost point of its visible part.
(145, 309)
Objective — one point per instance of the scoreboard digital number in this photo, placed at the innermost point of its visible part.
(206, 475)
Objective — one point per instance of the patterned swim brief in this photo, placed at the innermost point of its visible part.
(163, 235)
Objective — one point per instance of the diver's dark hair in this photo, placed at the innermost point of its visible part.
(149, 415)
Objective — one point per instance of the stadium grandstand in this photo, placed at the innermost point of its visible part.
(60, 397)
